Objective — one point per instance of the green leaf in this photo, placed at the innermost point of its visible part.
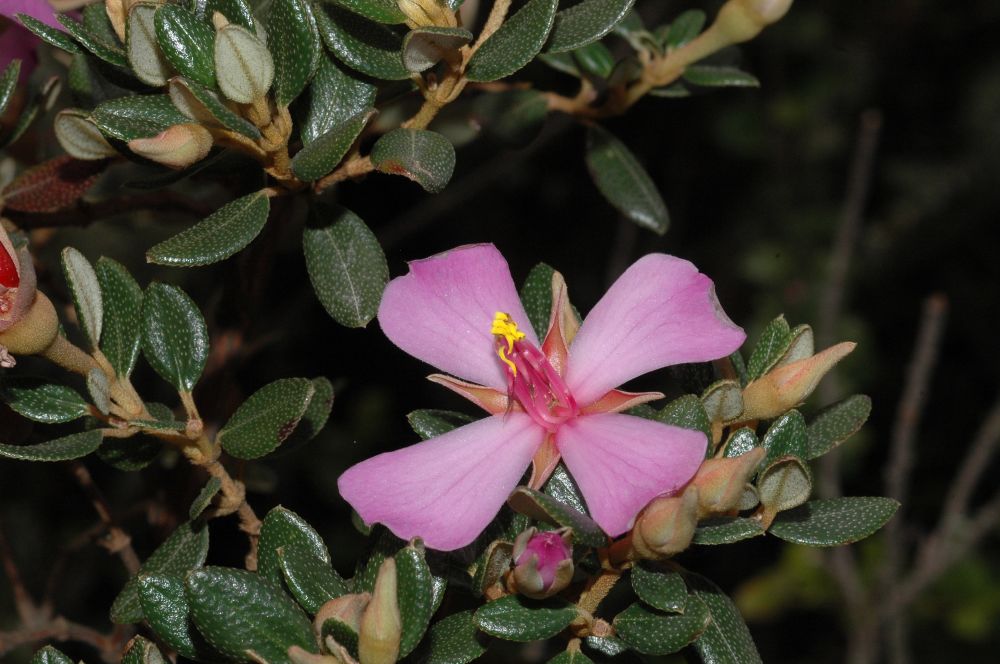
(140, 650)
(784, 484)
(536, 296)
(491, 566)
(425, 47)
(654, 634)
(727, 639)
(42, 402)
(663, 590)
(86, 292)
(711, 76)
(836, 424)
(313, 582)
(48, 34)
(684, 28)
(216, 237)
(624, 182)
(8, 83)
(586, 22)
(346, 265)
(334, 98)
(686, 412)
(367, 47)
(185, 549)
(515, 43)
(143, 48)
(380, 11)
(204, 497)
(426, 157)
(415, 596)
(512, 117)
(99, 389)
(561, 486)
(266, 419)
(454, 640)
(315, 417)
(200, 104)
(293, 39)
(787, 435)
(237, 11)
(834, 521)
(723, 400)
(244, 66)
(50, 655)
(129, 454)
(609, 646)
(542, 507)
(240, 612)
(322, 155)
(770, 348)
(174, 336)
(283, 528)
(515, 618)
(165, 607)
(122, 298)
(69, 447)
(80, 136)
(726, 530)
(102, 48)
(188, 43)
(429, 423)
(141, 116)
(384, 545)
(595, 59)
(571, 657)
(742, 441)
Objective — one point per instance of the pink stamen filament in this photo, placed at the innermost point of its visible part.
(539, 389)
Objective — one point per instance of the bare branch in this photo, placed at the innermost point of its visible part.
(117, 540)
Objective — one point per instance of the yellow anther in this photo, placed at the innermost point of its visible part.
(505, 328)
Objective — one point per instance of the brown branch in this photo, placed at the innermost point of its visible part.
(117, 540)
(23, 602)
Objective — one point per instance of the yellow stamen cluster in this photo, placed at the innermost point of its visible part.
(504, 327)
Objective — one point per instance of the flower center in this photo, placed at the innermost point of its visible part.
(531, 379)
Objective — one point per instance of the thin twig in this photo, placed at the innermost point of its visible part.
(61, 629)
(118, 540)
(26, 610)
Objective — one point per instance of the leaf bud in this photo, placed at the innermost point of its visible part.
(722, 482)
(381, 625)
(177, 146)
(789, 385)
(666, 526)
(543, 563)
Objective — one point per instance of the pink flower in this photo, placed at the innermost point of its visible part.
(543, 562)
(460, 312)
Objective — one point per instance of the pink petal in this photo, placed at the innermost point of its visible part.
(622, 462)
(446, 489)
(441, 312)
(662, 311)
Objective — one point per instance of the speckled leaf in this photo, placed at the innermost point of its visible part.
(99, 389)
(624, 182)
(784, 484)
(802, 345)
(454, 640)
(141, 116)
(8, 83)
(334, 98)
(140, 650)
(69, 447)
(561, 486)
(609, 646)
(726, 530)
(322, 155)
(188, 42)
(204, 497)
(425, 47)
(48, 34)
(383, 545)
(122, 315)
(836, 424)
(239, 612)
(80, 137)
(661, 589)
(426, 157)
(515, 43)
(104, 49)
(237, 11)
(727, 639)
(282, 528)
(834, 521)
(364, 46)
(570, 657)
(740, 442)
(723, 400)
(786, 435)
(512, 117)
(165, 607)
(129, 454)
(491, 566)
(536, 295)
(655, 634)
(86, 292)
(42, 402)
(216, 237)
(174, 336)
(515, 618)
(415, 593)
(52, 185)
(346, 265)
(429, 423)
(142, 47)
(244, 66)
(185, 549)
(50, 655)
(204, 106)
(684, 28)
(381, 11)
(686, 412)
(293, 40)
(586, 22)
(312, 581)
(543, 507)
(266, 419)
(711, 76)
(773, 343)
(315, 417)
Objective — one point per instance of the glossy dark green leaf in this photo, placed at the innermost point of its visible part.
(570, 657)
(786, 435)
(543, 507)
(283, 528)
(165, 607)
(727, 639)
(315, 417)
(140, 116)
(415, 596)
(771, 346)
(40, 401)
(536, 296)
(360, 44)
(185, 549)
(312, 581)
(652, 633)
(512, 117)
(425, 47)
(346, 265)
(8, 83)
(426, 157)
(50, 655)
(322, 155)
(204, 106)
(610, 646)
(383, 545)
(586, 22)
(237, 11)
(726, 530)
(661, 589)
(515, 43)
(122, 298)
(561, 486)
(712, 76)
(429, 423)
(129, 454)
(335, 97)
(834, 521)
(380, 11)
(174, 335)
(73, 446)
(43, 100)
(293, 40)
(48, 34)
(204, 497)
(86, 293)
(595, 59)
(188, 43)
(266, 419)
(240, 612)
(686, 412)
(740, 442)
(515, 618)
(684, 28)
(836, 424)
(454, 640)
(624, 182)
(104, 49)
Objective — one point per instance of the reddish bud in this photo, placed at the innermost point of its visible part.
(543, 562)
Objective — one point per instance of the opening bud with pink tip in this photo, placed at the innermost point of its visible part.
(722, 482)
(543, 562)
(789, 385)
(178, 146)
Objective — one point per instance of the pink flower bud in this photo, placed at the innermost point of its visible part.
(788, 385)
(543, 562)
(721, 482)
